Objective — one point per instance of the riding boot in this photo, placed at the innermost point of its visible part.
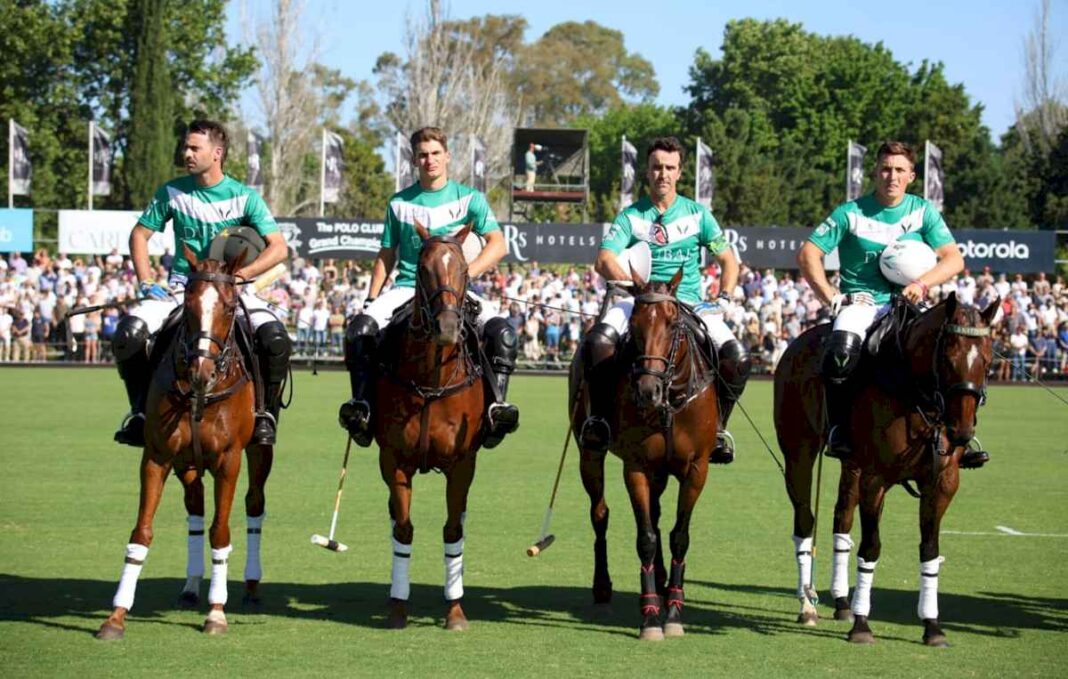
(734, 366)
(361, 345)
(130, 346)
(599, 358)
(273, 348)
(502, 348)
(839, 361)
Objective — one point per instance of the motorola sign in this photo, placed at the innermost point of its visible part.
(1007, 251)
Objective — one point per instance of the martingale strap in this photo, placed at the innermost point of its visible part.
(967, 330)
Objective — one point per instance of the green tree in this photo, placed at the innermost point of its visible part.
(151, 141)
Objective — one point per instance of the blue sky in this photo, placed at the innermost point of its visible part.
(979, 41)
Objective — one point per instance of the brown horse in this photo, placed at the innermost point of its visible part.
(666, 421)
(434, 418)
(917, 402)
(199, 415)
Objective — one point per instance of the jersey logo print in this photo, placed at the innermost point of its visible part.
(210, 213)
(882, 232)
(431, 216)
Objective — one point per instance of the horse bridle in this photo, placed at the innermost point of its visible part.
(424, 313)
(667, 375)
(191, 344)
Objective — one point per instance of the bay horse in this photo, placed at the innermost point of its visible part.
(666, 419)
(199, 416)
(434, 418)
(917, 403)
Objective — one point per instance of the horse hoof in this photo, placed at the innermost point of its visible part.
(251, 601)
(861, 632)
(456, 624)
(187, 600)
(843, 614)
(109, 632)
(651, 634)
(398, 614)
(214, 627)
(933, 634)
(937, 641)
(602, 595)
(673, 629)
(455, 620)
(808, 618)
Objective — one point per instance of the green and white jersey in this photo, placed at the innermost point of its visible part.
(861, 230)
(199, 213)
(674, 237)
(444, 211)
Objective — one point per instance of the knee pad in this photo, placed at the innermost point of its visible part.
(600, 344)
(361, 336)
(274, 345)
(841, 356)
(130, 338)
(734, 365)
(502, 344)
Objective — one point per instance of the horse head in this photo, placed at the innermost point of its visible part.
(655, 333)
(208, 320)
(950, 349)
(441, 285)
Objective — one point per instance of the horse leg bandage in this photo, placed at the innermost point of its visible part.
(454, 570)
(400, 587)
(253, 568)
(194, 565)
(219, 559)
(843, 544)
(803, 553)
(862, 594)
(927, 608)
(131, 570)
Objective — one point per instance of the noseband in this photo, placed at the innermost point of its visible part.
(667, 375)
(190, 345)
(425, 313)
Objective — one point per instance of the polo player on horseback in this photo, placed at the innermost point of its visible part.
(442, 206)
(201, 206)
(860, 230)
(674, 228)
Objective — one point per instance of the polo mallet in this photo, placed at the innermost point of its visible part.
(329, 542)
(546, 538)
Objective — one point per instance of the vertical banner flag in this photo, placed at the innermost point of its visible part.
(630, 173)
(402, 169)
(704, 180)
(255, 170)
(854, 170)
(20, 170)
(933, 177)
(331, 166)
(478, 164)
(100, 160)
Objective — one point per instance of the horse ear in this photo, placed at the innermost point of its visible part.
(462, 234)
(422, 231)
(675, 280)
(990, 313)
(190, 256)
(951, 305)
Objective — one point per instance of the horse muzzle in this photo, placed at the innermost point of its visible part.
(649, 391)
(447, 327)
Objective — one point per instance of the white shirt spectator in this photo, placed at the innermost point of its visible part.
(320, 318)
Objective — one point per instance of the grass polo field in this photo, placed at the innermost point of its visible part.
(68, 498)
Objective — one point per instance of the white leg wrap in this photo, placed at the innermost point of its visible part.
(803, 553)
(131, 570)
(194, 565)
(401, 586)
(840, 566)
(253, 569)
(927, 608)
(862, 594)
(219, 559)
(454, 570)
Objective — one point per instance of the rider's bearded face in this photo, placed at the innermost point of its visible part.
(664, 170)
(200, 153)
(433, 162)
(892, 176)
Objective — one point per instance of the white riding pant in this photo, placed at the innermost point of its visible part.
(386, 304)
(858, 317)
(154, 311)
(618, 316)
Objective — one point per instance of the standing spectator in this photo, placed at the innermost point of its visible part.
(39, 329)
(92, 337)
(530, 165)
(1062, 347)
(6, 321)
(76, 325)
(337, 328)
(304, 327)
(552, 333)
(1018, 346)
(320, 323)
(20, 334)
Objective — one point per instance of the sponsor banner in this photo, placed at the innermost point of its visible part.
(705, 179)
(21, 169)
(100, 159)
(331, 166)
(478, 164)
(760, 247)
(98, 232)
(854, 170)
(254, 148)
(628, 179)
(403, 172)
(933, 176)
(16, 230)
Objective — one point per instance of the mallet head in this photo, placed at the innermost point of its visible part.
(541, 545)
(326, 543)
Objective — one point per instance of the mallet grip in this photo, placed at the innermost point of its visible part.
(541, 545)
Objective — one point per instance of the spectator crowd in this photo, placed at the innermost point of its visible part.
(550, 308)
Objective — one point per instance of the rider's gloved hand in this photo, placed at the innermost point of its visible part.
(154, 290)
(837, 302)
(722, 304)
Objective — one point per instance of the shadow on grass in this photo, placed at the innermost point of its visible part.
(51, 602)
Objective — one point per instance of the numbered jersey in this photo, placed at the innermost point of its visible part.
(862, 228)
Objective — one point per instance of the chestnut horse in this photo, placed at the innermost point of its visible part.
(666, 418)
(917, 403)
(199, 415)
(432, 400)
